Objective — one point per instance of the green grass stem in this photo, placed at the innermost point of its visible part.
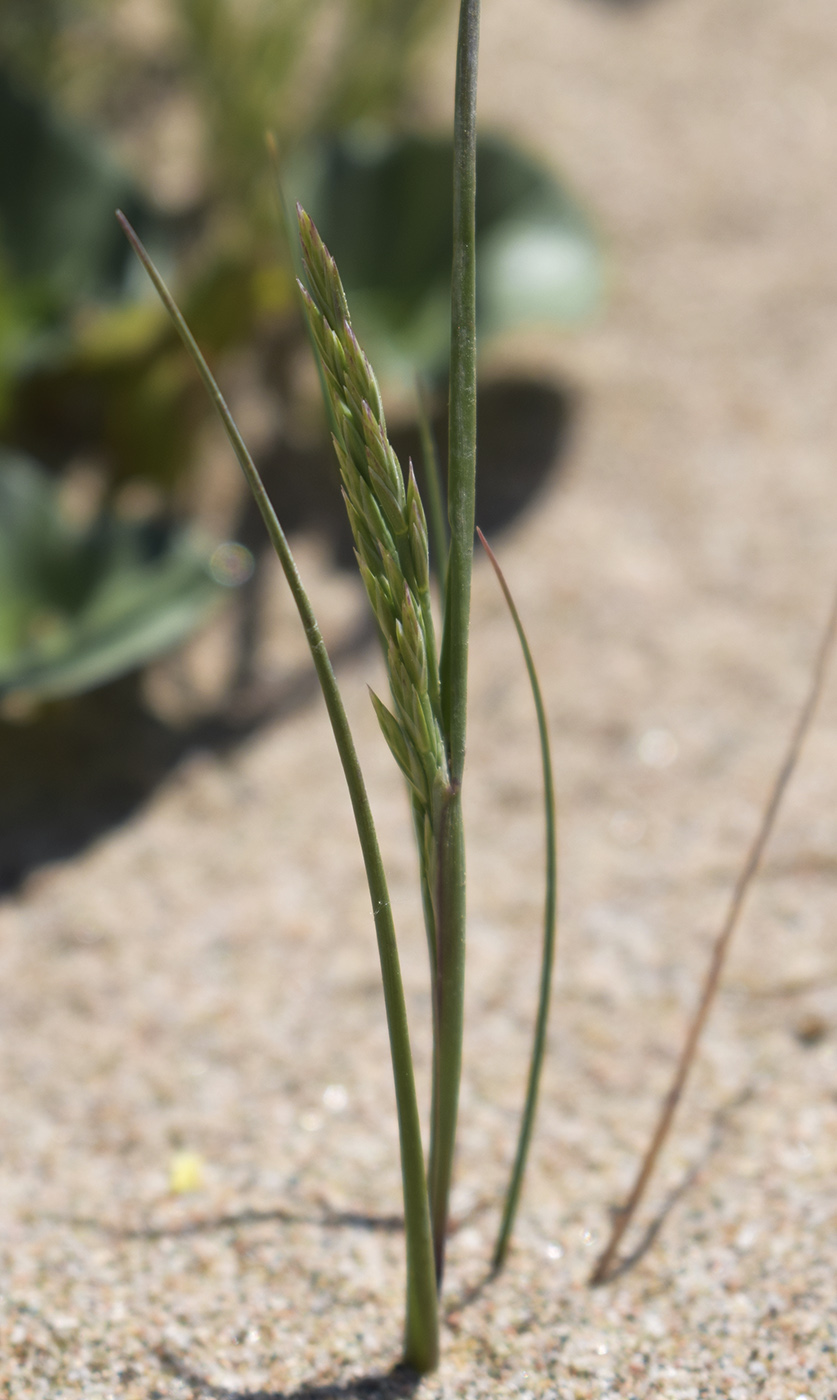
(462, 451)
(449, 994)
(421, 1349)
(462, 458)
(527, 1121)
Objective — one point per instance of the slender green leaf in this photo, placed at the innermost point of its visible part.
(527, 1122)
(421, 1348)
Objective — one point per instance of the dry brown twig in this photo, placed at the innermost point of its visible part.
(608, 1264)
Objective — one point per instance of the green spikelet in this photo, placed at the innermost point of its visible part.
(390, 533)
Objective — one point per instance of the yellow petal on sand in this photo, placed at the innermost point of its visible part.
(185, 1172)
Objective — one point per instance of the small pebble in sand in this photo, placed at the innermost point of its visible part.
(658, 748)
(335, 1098)
(811, 1029)
(627, 828)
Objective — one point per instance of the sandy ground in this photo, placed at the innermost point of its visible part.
(204, 979)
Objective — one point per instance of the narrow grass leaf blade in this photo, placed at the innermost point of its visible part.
(422, 1326)
(527, 1122)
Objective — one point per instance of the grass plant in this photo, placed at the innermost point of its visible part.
(424, 719)
(425, 722)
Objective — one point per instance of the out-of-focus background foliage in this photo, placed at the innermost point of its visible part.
(113, 546)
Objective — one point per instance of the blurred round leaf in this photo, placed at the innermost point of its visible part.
(81, 604)
(383, 204)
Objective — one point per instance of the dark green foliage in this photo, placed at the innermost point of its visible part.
(58, 190)
(83, 603)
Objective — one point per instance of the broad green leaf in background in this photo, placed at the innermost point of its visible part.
(383, 206)
(61, 253)
(82, 604)
(87, 365)
(58, 190)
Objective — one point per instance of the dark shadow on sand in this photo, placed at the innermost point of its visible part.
(397, 1384)
(283, 1215)
(86, 765)
(337, 1219)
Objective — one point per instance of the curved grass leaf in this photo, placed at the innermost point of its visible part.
(421, 1348)
(549, 928)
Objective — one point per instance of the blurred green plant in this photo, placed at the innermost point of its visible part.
(81, 368)
(384, 205)
(83, 601)
(88, 366)
(295, 68)
(58, 247)
(425, 723)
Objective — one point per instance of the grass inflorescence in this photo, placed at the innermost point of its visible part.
(391, 545)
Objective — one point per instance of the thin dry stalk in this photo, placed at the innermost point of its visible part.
(606, 1264)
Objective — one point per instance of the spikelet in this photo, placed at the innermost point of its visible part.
(390, 534)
